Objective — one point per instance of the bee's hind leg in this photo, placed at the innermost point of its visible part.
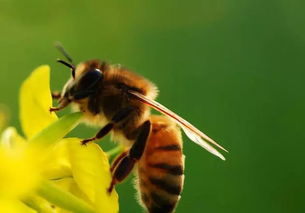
(128, 160)
(117, 160)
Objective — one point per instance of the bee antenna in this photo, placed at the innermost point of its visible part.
(71, 66)
(63, 51)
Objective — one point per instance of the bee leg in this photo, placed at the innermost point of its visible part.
(117, 160)
(62, 104)
(119, 116)
(104, 131)
(123, 169)
(137, 149)
(56, 95)
(127, 162)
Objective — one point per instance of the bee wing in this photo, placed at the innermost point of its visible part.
(191, 131)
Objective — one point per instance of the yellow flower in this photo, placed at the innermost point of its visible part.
(44, 168)
(16, 161)
(14, 206)
(35, 101)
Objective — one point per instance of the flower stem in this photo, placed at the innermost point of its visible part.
(38, 203)
(56, 130)
(52, 193)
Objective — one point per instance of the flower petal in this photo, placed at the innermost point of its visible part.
(14, 206)
(19, 172)
(56, 163)
(91, 171)
(69, 184)
(10, 139)
(35, 101)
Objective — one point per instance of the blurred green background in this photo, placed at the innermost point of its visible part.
(235, 69)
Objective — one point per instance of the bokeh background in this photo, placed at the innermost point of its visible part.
(235, 69)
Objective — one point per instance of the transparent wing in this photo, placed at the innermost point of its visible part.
(191, 131)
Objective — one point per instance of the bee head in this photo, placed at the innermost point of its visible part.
(85, 81)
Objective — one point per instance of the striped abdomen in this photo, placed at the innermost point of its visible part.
(161, 167)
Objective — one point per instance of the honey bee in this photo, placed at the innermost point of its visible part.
(119, 101)
(161, 168)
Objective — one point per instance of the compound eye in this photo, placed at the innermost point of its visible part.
(90, 79)
(87, 84)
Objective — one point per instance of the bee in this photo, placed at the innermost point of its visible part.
(160, 172)
(119, 101)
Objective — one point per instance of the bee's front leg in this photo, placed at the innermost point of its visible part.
(122, 168)
(57, 95)
(63, 102)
